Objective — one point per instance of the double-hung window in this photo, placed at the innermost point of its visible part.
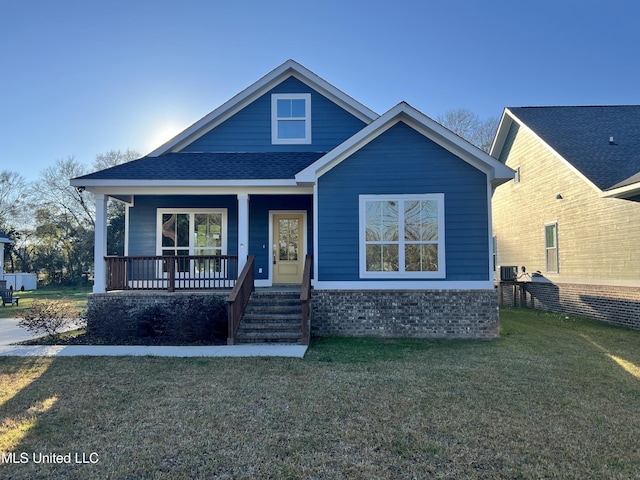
(551, 247)
(196, 232)
(402, 236)
(291, 118)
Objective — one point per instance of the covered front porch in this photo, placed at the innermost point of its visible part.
(277, 314)
(202, 242)
(202, 239)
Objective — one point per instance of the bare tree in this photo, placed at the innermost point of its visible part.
(486, 132)
(469, 126)
(56, 194)
(13, 198)
(115, 209)
(113, 158)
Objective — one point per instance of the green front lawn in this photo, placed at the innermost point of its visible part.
(555, 397)
(78, 295)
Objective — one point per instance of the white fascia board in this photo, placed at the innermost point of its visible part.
(254, 91)
(501, 135)
(88, 184)
(622, 192)
(569, 165)
(428, 127)
(323, 87)
(457, 145)
(404, 285)
(115, 191)
(339, 153)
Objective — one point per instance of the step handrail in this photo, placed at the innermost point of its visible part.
(239, 297)
(305, 298)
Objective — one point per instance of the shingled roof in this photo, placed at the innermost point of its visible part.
(210, 166)
(581, 135)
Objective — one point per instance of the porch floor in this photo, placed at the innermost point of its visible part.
(254, 350)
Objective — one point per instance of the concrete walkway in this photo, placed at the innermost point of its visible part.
(296, 351)
(10, 333)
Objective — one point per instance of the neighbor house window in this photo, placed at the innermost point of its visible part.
(402, 236)
(551, 247)
(192, 232)
(291, 118)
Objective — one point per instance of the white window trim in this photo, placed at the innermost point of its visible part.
(192, 212)
(440, 273)
(274, 118)
(546, 249)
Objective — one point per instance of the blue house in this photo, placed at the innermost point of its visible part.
(392, 212)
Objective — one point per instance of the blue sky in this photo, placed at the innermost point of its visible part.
(84, 77)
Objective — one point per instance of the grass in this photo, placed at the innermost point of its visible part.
(78, 295)
(555, 397)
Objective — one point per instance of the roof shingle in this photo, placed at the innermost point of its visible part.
(581, 135)
(211, 166)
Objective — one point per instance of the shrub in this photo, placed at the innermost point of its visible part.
(153, 322)
(182, 320)
(110, 323)
(51, 316)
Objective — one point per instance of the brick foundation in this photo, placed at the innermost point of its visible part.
(617, 305)
(144, 298)
(371, 313)
(406, 313)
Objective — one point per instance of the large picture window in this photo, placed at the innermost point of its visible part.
(194, 232)
(291, 118)
(402, 236)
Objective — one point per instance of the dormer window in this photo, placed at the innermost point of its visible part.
(291, 118)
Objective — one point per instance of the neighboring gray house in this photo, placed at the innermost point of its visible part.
(572, 212)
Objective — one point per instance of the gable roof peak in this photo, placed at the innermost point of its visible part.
(403, 112)
(245, 97)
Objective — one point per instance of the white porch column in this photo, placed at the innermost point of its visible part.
(100, 248)
(243, 230)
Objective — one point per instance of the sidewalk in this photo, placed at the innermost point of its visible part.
(296, 351)
(10, 333)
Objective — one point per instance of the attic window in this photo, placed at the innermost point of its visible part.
(291, 118)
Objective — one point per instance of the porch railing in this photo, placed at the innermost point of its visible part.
(239, 297)
(305, 298)
(188, 272)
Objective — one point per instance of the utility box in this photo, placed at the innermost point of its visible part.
(508, 273)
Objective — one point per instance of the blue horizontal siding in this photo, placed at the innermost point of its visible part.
(249, 130)
(143, 218)
(402, 161)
